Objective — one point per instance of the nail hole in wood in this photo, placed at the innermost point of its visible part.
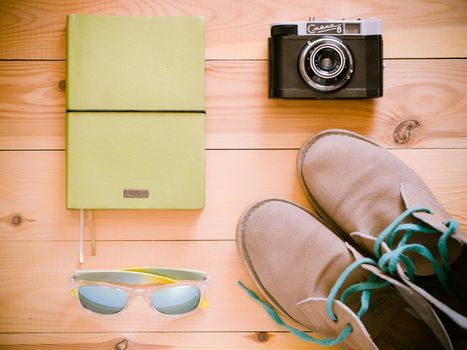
(403, 131)
(122, 345)
(263, 337)
(62, 85)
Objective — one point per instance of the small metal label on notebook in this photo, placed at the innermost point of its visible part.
(136, 193)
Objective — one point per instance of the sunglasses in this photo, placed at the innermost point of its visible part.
(170, 292)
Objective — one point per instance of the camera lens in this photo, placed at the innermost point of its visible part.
(327, 59)
(325, 64)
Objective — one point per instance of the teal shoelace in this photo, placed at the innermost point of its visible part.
(388, 262)
(364, 287)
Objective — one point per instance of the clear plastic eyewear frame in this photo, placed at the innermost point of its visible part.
(170, 292)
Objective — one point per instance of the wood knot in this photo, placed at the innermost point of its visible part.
(403, 130)
(16, 220)
(122, 345)
(62, 85)
(263, 337)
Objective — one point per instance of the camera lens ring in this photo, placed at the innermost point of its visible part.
(309, 52)
(321, 72)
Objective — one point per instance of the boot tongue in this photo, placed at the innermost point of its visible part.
(415, 197)
(315, 310)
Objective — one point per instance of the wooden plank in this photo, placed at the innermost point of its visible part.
(146, 341)
(424, 106)
(239, 29)
(32, 195)
(32, 103)
(35, 276)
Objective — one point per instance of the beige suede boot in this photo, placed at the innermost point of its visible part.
(369, 195)
(311, 275)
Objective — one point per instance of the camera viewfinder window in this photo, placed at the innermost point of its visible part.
(352, 28)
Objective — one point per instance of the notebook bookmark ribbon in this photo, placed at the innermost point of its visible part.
(81, 235)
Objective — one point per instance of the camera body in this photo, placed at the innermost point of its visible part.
(341, 59)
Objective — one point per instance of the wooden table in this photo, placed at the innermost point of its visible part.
(251, 146)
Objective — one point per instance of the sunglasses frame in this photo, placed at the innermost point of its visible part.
(147, 281)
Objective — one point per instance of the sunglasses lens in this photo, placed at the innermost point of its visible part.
(102, 299)
(176, 300)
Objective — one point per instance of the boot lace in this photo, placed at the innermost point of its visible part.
(373, 282)
(388, 261)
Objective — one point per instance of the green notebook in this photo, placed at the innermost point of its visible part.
(135, 112)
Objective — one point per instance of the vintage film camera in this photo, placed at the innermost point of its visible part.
(332, 59)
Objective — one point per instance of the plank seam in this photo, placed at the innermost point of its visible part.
(235, 59)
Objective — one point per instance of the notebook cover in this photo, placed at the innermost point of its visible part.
(135, 63)
(135, 161)
(135, 112)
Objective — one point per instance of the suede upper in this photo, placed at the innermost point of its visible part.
(361, 188)
(282, 242)
(355, 181)
(295, 260)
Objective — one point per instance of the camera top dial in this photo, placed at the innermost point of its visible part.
(325, 64)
